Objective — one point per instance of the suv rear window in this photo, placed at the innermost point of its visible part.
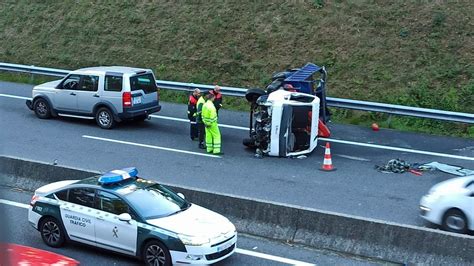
(144, 82)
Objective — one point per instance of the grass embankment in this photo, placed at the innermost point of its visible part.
(416, 53)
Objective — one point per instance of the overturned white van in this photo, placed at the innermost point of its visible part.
(287, 118)
(283, 123)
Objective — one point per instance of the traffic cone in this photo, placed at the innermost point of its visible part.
(327, 164)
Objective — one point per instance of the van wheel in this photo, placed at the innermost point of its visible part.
(52, 233)
(42, 109)
(253, 94)
(155, 253)
(455, 221)
(104, 118)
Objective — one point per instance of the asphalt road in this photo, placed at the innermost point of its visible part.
(355, 188)
(258, 249)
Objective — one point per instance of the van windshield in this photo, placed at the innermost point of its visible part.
(145, 82)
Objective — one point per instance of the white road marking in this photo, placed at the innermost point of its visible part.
(353, 157)
(14, 96)
(271, 257)
(237, 250)
(13, 203)
(323, 139)
(344, 142)
(398, 149)
(187, 121)
(150, 146)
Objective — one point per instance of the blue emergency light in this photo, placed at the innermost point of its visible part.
(115, 176)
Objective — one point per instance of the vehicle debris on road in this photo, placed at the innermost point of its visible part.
(447, 168)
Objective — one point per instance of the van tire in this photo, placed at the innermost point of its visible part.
(253, 94)
(105, 118)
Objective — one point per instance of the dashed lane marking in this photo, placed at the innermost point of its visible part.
(272, 257)
(13, 203)
(150, 146)
(14, 96)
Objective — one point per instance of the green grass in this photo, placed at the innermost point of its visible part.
(416, 53)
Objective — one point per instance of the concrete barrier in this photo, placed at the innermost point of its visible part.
(316, 228)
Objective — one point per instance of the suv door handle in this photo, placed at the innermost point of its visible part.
(96, 95)
(72, 93)
(100, 218)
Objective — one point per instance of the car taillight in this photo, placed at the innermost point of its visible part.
(127, 99)
(33, 200)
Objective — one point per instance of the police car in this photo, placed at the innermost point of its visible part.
(122, 212)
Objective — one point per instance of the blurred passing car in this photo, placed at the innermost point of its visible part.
(122, 212)
(13, 254)
(450, 204)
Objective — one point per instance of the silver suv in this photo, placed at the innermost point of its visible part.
(106, 94)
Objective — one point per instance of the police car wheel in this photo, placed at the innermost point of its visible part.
(105, 118)
(52, 232)
(155, 253)
(42, 109)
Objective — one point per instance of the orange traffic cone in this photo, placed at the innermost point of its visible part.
(327, 164)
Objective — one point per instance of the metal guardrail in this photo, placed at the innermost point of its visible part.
(240, 92)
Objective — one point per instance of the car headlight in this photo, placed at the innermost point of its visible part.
(433, 197)
(193, 240)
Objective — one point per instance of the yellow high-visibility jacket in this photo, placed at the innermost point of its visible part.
(199, 105)
(209, 113)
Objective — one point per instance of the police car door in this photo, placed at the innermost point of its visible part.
(78, 215)
(111, 233)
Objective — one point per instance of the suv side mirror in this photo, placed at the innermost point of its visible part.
(181, 195)
(125, 217)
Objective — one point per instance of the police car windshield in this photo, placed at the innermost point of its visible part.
(156, 201)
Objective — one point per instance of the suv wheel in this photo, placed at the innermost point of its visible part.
(52, 232)
(105, 118)
(455, 221)
(42, 109)
(155, 253)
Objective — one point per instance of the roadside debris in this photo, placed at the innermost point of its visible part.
(400, 166)
(447, 168)
(375, 127)
(394, 166)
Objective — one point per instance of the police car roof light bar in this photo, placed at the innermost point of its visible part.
(115, 176)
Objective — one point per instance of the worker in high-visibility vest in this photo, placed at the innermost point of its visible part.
(200, 124)
(209, 117)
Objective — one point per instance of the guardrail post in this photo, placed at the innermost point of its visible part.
(32, 75)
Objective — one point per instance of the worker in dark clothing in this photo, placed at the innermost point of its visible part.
(200, 125)
(192, 113)
(217, 97)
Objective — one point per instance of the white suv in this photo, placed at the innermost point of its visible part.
(106, 94)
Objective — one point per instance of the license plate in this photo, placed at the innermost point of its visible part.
(224, 246)
(137, 100)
